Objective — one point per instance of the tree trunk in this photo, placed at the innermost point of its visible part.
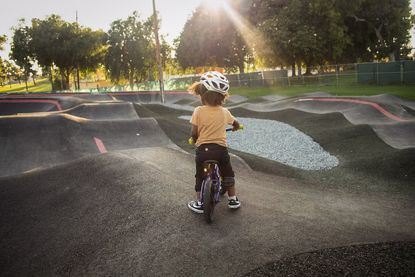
(293, 69)
(62, 80)
(378, 31)
(77, 78)
(299, 69)
(131, 77)
(241, 68)
(51, 78)
(67, 79)
(25, 81)
(393, 56)
(307, 70)
(34, 80)
(75, 82)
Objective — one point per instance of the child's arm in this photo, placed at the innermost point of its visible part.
(235, 125)
(194, 133)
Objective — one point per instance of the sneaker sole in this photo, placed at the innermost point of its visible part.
(234, 206)
(195, 210)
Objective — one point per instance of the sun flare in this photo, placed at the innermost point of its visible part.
(214, 4)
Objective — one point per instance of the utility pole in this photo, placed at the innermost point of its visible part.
(77, 68)
(158, 56)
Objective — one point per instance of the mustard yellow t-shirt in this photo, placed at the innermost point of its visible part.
(211, 124)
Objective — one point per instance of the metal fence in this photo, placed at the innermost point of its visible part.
(391, 73)
(402, 72)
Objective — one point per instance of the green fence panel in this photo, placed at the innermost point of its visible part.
(408, 72)
(233, 80)
(244, 80)
(181, 83)
(256, 79)
(366, 73)
(389, 73)
(275, 77)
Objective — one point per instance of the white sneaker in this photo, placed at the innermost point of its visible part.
(234, 203)
(196, 206)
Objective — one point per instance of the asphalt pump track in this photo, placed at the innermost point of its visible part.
(100, 186)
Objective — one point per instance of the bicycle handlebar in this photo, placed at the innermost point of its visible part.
(241, 127)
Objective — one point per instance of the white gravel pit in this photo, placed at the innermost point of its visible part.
(279, 142)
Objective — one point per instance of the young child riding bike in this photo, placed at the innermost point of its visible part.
(209, 134)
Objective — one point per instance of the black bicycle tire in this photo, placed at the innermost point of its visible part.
(208, 200)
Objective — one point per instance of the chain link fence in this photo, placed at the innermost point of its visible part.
(391, 73)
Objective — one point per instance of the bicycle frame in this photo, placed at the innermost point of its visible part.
(211, 184)
(211, 169)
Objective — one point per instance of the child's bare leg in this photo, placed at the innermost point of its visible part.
(231, 191)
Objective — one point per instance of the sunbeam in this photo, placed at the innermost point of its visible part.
(254, 39)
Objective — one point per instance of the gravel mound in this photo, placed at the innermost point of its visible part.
(280, 142)
(380, 259)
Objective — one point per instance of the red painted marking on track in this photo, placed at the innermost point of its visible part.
(356, 101)
(100, 145)
(147, 92)
(54, 102)
(87, 93)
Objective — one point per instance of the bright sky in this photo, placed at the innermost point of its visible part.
(98, 14)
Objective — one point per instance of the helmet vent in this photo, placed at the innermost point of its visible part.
(215, 81)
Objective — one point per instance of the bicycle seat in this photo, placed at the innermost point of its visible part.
(210, 162)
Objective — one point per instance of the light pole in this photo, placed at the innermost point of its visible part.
(77, 67)
(158, 56)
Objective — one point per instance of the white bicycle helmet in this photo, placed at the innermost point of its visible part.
(215, 81)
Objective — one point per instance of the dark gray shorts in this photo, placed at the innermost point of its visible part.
(212, 151)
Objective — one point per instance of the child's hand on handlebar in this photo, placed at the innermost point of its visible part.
(190, 141)
(237, 127)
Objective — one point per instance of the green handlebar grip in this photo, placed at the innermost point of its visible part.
(190, 141)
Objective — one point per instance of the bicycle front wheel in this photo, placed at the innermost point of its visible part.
(208, 200)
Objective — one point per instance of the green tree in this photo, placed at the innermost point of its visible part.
(10, 72)
(3, 75)
(130, 52)
(305, 31)
(209, 38)
(2, 67)
(317, 31)
(67, 46)
(21, 53)
(90, 50)
(3, 40)
(380, 29)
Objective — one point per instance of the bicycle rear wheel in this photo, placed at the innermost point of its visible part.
(208, 200)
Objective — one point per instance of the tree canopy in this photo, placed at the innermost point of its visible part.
(209, 38)
(380, 27)
(292, 33)
(320, 31)
(21, 53)
(3, 39)
(55, 42)
(130, 50)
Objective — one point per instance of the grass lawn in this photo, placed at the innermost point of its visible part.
(42, 85)
(405, 91)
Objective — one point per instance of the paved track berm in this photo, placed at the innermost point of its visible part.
(97, 189)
